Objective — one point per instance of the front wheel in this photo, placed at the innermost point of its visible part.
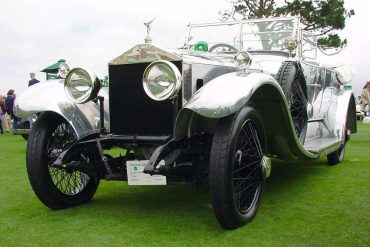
(57, 188)
(235, 173)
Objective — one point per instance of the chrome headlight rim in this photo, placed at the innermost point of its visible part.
(91, 78)
(243, 60)
(177, 83)
(64, 69)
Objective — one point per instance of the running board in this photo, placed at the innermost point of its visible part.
(323, 146)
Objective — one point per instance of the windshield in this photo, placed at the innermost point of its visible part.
(212, 35)
(251, 35)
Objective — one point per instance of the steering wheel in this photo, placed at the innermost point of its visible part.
(222, 47)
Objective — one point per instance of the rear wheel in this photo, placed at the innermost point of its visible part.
(337, 156)
(235, 175)
(57, 188)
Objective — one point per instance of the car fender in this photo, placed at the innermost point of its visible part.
(345, 114)
(49, 96)
(227, 94)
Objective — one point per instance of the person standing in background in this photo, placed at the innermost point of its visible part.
(5, 117)
(358, 101)
(33, 80)
(1, 124)
(365, 98)
(9, 102)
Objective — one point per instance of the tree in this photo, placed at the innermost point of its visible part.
(321, 17)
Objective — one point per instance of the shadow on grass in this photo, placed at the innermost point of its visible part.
(182, 206)
(286, 175)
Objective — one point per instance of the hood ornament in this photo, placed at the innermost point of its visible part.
(148, 39)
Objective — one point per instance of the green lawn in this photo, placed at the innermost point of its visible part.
(304, 204)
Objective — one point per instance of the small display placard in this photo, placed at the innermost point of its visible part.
(136, 176)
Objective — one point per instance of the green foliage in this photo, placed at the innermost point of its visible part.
(322, 17)
(304, 204)
(332, 40)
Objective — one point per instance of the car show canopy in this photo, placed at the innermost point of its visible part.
(54, 67)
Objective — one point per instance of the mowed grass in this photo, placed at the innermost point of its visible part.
(304, 204)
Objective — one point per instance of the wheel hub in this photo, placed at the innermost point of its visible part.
(266, 166)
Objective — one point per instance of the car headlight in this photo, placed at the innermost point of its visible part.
(243, 60)
(81, 86)
(63, 69)
(161, 80)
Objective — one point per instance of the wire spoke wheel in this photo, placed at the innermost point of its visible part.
(235, 174)
(67, 182)
(59, 187)
(246, 172)
(298, 107)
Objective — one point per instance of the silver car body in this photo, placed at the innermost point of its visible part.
(226, 90)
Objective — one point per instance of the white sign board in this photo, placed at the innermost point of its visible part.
(136, 176)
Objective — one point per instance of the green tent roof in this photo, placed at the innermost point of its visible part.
(54, 67)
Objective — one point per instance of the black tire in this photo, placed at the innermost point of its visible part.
(236, 199)
(25, 136)
(56, 188)
(337, 156)
(289, 77)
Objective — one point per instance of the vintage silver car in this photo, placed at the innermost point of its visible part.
(218, 109)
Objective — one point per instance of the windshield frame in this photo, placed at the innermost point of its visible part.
(297, 31)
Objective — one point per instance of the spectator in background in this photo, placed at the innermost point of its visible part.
(5, 117)
(365, 98)
(2, 103)
(9, 102)
(358, 101)
(1, 124)
(33, 80)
